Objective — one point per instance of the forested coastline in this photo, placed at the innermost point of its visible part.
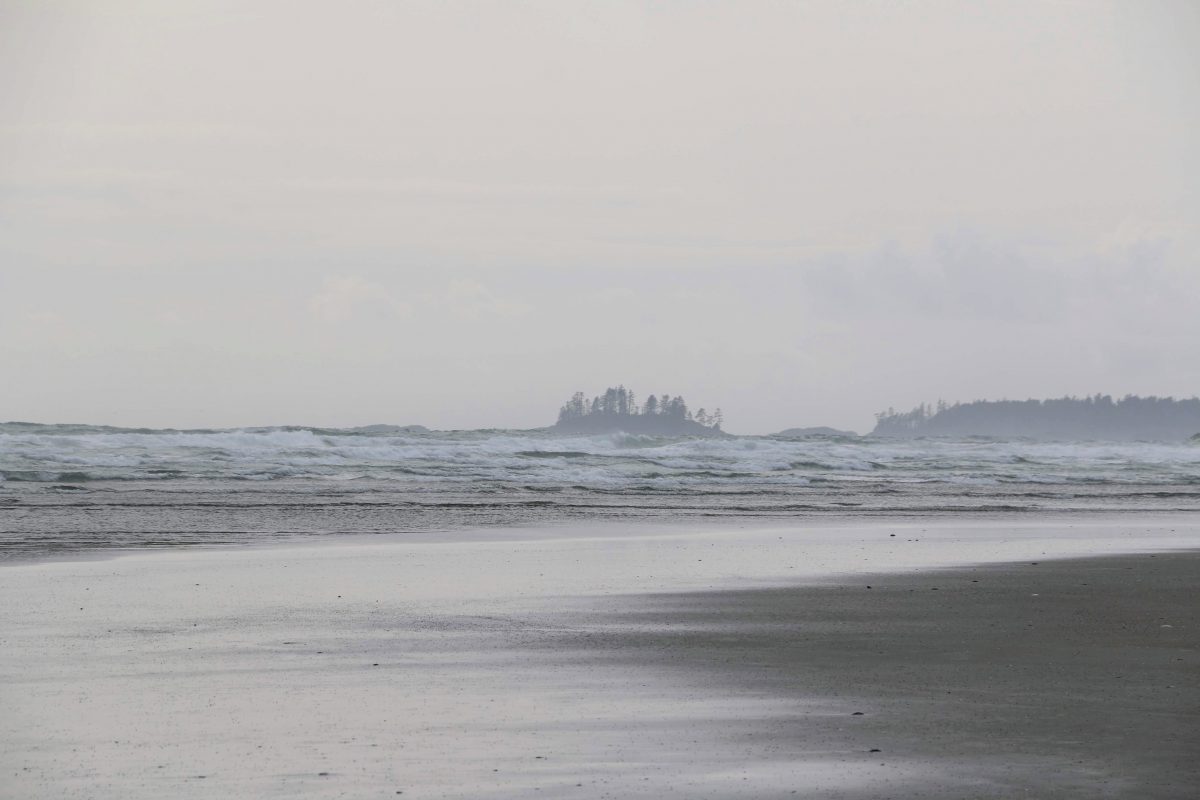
(1096, 417)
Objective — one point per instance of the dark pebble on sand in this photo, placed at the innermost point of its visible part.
(857, 714)
(876, 750)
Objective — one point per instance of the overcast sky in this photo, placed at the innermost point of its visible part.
(457, 214)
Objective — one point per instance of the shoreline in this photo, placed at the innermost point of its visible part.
(622, 529)
(685, 663)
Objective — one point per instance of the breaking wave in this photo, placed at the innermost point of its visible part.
(66, 488)
(82, 453)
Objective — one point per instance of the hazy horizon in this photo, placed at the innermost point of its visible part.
(867, 429)
(217, 214)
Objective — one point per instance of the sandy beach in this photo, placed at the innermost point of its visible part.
(1054, 658)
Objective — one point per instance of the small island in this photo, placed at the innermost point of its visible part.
(618, 410)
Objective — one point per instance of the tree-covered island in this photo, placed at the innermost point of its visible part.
(618, 410)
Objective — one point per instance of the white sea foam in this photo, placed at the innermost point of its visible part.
(615, 460)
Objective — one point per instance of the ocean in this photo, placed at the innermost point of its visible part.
(76, 489)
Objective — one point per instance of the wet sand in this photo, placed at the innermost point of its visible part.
(1076, 678)
(685, 663)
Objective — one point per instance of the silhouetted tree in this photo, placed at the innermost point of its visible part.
(573, 409)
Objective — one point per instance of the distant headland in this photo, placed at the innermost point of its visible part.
(1098, 417)
(819, 432)
(618, 410)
